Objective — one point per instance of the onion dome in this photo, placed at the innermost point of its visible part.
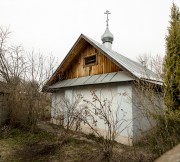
(107, 36)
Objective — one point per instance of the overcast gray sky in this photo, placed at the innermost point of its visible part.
(53, 26)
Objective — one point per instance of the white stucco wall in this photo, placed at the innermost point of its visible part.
(56, 108)
(145, 104)
(119, 93)
(132, 107)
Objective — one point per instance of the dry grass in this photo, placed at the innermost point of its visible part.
(19, 145)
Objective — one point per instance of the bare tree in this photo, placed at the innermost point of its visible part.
(67, 115)
(153, 63)
(149, 103)
(40, 68)
(101, 110)
(157, 128)
(23, 75)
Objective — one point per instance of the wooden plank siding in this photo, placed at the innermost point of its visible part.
(77, 69)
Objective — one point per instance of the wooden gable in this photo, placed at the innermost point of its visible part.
(73, 64)
(77, 68)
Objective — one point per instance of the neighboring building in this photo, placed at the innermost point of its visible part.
(91, 65)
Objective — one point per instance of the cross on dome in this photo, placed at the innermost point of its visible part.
(107, 38)
(107, 13)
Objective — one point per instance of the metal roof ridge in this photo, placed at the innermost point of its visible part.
(135, 68)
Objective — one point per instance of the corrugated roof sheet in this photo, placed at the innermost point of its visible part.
(94, 79)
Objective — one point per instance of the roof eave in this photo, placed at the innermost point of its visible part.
(59, 67)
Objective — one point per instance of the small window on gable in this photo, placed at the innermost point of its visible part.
(90, 60)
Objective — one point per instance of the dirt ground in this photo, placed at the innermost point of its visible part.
(19, 145)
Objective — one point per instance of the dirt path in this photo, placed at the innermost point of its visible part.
(57, 130)
(46, 126)
(171, 156)
(23, 146)
(7, 150)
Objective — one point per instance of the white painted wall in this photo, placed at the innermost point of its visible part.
(119, 93)
(125, 113)
(124, 99)
(144, 105)
(56, 108)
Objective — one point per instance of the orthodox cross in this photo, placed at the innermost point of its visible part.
(107, 12)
